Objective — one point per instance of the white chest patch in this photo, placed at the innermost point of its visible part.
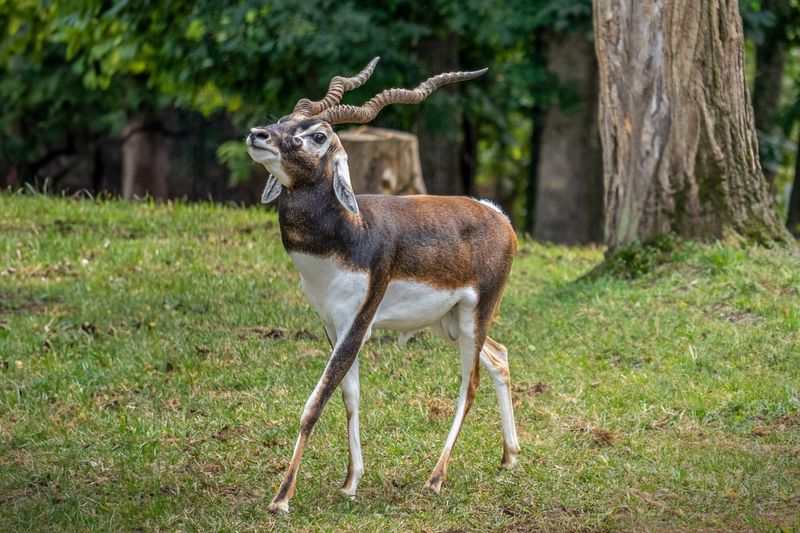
(337, 294)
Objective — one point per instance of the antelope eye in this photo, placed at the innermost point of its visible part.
(318, 138)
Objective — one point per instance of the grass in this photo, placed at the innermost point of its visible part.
(154, 361)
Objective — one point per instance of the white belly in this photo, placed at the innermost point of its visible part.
(337, 294)
(409, 305)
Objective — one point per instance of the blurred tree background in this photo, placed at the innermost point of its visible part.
(131, 97)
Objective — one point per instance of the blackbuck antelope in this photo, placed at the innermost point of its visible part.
(370, 261)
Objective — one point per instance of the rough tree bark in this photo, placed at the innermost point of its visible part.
(441, 155)
(569, 196)
(679, 145)
(770, 62)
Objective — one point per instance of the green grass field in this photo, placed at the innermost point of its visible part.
(154, 361)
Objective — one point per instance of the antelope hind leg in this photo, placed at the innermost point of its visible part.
(469, 382)
(494, 357)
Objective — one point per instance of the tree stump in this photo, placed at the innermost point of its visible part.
(383, 161)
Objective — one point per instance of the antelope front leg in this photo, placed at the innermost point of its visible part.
(344, 354)
(338, 365)
(351, 396)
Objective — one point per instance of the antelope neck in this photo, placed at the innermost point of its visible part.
(312, 221)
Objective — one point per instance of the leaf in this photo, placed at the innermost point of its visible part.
(233, 155)
(196, 30)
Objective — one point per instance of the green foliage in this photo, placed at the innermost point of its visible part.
(756, 21)
(72, 72)
(777, 147)
(230, 153)
(639, 260)
(88, 66)
(48, 107)
(154, 360)
(723, 257)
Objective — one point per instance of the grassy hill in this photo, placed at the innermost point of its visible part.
(154, 361)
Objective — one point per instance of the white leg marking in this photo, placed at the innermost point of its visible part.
(404, 337)
(351, 395)
(466, 344)
(496, 362)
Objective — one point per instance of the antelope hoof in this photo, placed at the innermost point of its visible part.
(509, 459)
(435, 483)
(279, 507)
(508, 464)
(351, 483)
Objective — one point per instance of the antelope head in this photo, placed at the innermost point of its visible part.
(302, 150)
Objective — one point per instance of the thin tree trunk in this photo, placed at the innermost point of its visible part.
(569, 198)
(469, 156)
(679, 145)
(538, 56)
(98, 169)
(145, 160)
(537, 117)
(770, 62)
(793, 220)
(439, 153)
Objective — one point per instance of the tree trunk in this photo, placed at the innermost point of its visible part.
(469, 156)
(538, 114)
(569, 197)
(770, 61)
(145, 160)
(383, 161)
(793, 220)
(537, 55)
(440, 153)
(679, 145)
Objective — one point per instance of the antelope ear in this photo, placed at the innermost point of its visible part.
(341, 183)
(271, 191)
